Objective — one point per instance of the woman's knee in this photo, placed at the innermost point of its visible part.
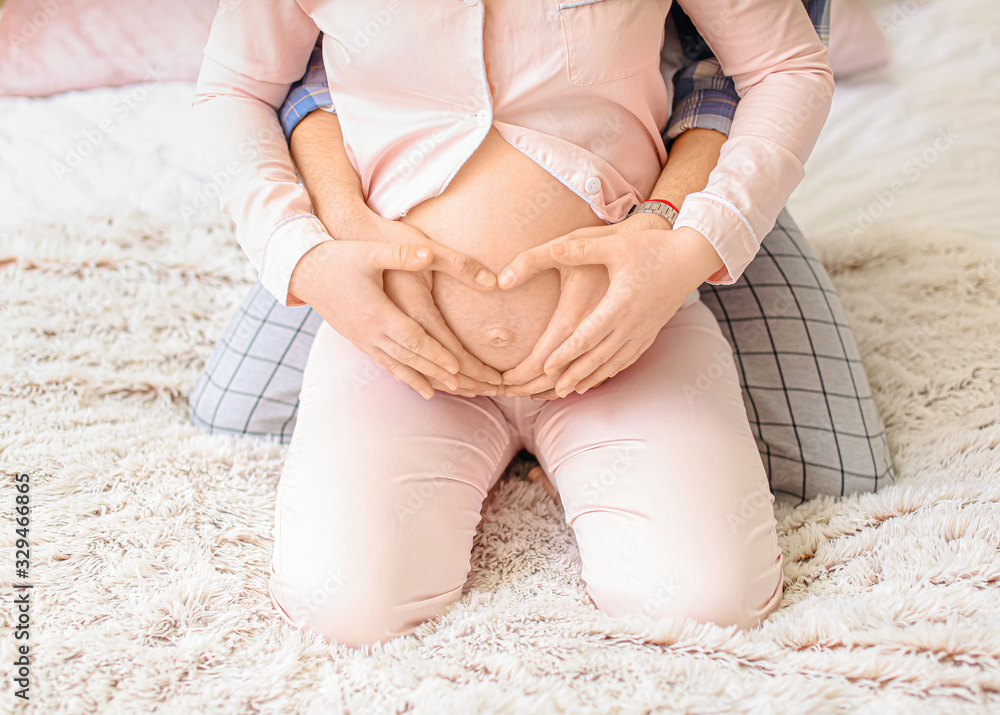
(353, 611)
(709, 596)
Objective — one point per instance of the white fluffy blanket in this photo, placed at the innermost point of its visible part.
(150, 541)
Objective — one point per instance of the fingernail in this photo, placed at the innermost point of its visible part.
(452, 384)
(484, 278)
(558, 249)
(506, 278)
(421, 253)
(490, 393)
(427, 393)
(584, 390)
(563, 392)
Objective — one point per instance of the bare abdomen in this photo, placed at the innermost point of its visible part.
(499, 204)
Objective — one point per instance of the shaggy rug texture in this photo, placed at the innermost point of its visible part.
(150, 541)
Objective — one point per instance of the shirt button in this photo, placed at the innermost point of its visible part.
(483, 115)
(471, 3)
(593, 185)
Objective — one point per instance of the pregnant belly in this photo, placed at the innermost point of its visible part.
(499, 204)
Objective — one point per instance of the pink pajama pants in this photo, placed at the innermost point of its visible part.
(657, 470)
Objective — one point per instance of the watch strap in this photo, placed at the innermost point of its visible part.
(655, 206)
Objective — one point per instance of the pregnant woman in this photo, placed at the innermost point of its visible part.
(491, 130)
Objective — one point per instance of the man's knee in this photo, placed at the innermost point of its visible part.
(250, 385)
(222, 410)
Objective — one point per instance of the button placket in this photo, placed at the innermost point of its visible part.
(484, 117)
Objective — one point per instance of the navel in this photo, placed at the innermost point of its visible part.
(499, 337)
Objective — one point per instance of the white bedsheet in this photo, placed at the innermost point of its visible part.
(78, 151)
(917, 142)
(876, 157)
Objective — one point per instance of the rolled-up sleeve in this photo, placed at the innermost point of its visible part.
(308, 94)
(704, 97)
(255, 52)
(780, 71)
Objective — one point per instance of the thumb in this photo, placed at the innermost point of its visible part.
(398, 256)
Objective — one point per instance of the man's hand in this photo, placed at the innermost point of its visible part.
(652, 270)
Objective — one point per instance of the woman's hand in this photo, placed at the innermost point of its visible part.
(652, 271)
(410, 291)
(343, 282)
(581, 289)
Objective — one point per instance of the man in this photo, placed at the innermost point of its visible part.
(793, 347)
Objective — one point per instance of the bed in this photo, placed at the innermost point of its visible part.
(150, 540)
(940, 91)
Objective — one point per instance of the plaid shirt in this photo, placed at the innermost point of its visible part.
(704, 98)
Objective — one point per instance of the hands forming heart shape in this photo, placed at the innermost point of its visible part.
(620, 284)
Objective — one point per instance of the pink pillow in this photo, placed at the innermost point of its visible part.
(50, 46)
(856, 42)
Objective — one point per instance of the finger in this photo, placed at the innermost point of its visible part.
(408, 354)
(588, 335)
(402, 330)
(466, 383)
(477, 370)
(622, 359)
(539, 384)
(608, 314)
(638, 354)
(465, 269)
(435, 328)
(586, 249)
(570, 311)
(525, 265)
(472, 372)
(588, 363)
(395, 256)
(531, 367)
(466, 387)
(545, 396)
(403, 373)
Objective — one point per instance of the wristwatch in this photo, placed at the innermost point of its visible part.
(655, 206)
